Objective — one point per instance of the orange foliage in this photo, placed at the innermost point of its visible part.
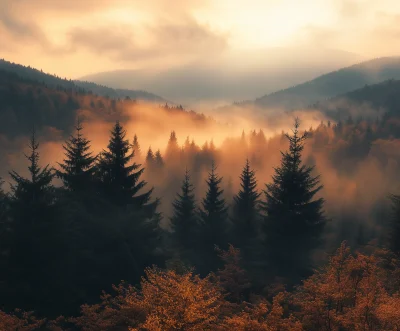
(263, 317)
(166, 301)
(233, 278)
(347, 294)
(23, 322)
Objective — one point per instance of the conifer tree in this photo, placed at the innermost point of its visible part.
(213, 215)
(172, 151)
(35, 253)
(136, 147)
(150, 161)
(120, 176)
(159, 162)
(184, 221)
(293, 221)
(245, 211)
(77, 170)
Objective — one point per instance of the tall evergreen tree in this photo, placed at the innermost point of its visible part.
(158, 160)
(173, 151)
(214, 216)
(293, 221)
(184, 221)
(136, 147)
(77, 170)
(121, 181)
(36, 250)
(245, 211)
(150, 161)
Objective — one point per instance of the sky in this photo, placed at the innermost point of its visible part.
(81, 37)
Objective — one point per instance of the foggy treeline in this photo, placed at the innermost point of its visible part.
(224, 222)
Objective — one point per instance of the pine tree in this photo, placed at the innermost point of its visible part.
(159, 162)
(172, 151)
(245, 211)
(136, 147)
(77, 170)
(35, 253)
(293, 221)
(184, 221)
(120, 181)
(150, 161)
(213, 215)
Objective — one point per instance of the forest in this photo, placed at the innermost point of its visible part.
(114, 222)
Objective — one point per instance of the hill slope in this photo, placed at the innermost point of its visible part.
(54, 81)
(332, 84)
(229, 76)
(371, 101)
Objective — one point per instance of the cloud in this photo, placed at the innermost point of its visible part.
(187, 38)
(12, 26)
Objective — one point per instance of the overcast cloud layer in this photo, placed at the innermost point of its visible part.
(81, 37)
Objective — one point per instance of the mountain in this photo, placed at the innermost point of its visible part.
(370, 101)
(332, 84)
(120, 93)
(235, 75)
(54, 81)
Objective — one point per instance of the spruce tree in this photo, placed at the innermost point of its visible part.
(120, 180)
(159, 162)
(245, 212)
(36, 249)
(136, 147)
(184, 221)
(293, 221)
(173, 150)
(150, 161)
(77, 170)
(213, 216)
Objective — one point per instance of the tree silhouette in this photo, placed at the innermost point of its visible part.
(245, 212)
(136, 147)
(213, 215)
(78, 167)
(293, 221)
(184, 221)
(120, 181)
(36, 247)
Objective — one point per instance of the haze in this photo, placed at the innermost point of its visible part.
(195, 50)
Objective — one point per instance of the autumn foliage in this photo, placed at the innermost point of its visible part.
(354, 291)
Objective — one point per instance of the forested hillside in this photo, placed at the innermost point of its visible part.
(207, 229)
(332, 84)
(371, 101)
(53, 81)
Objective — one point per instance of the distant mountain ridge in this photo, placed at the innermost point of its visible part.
(370, 101)
(231, 75)
(28, 72)
(331, 84)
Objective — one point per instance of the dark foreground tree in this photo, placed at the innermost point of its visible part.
(294, 220)
(77, 170)
(36, 249)
(245, 213)
(184, 221)
(120, 176)
(213, 216)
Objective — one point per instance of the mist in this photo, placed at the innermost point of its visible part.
(230, 76)
(355, 188)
